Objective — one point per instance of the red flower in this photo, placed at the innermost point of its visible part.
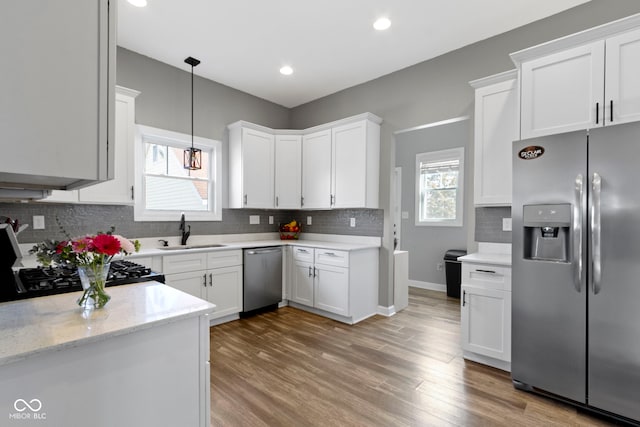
(106, 244)
(60, 247)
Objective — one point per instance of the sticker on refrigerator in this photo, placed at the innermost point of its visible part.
(531, 152)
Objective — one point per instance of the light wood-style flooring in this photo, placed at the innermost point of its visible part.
(293, 368)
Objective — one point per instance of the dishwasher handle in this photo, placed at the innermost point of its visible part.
(263, 251)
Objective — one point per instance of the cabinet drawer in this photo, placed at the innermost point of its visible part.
(331, 257)
(224, 258)
(303, 254)
(184, 263)
(486, 276)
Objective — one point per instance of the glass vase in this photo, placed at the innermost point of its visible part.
(93, 278)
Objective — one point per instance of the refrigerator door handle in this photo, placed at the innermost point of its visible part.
(577, 232)
(596, 185)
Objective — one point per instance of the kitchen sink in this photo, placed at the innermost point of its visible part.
(183, 247)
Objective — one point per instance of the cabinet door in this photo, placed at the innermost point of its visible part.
(257, 168)
(349, 157)
(56, 94)
(316, 170)
(496, 108)
(486, 322)
(622, 84)
(288, 173)
(119, 190)
(302, 283)
(224, 289)
(562, 92)
(193, 283)
(331, 292)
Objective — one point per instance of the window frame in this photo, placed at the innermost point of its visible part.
(437, 156)
(145, 134)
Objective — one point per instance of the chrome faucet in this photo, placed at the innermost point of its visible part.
(186, 230)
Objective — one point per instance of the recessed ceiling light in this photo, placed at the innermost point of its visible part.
(138, 3)
(382, 24)
(286, 70)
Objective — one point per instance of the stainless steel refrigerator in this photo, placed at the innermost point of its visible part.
(576, 268)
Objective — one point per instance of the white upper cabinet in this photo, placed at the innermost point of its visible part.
(288, 172)
(57, 85)
(356, 162)
(622, 78)
(119, 190)
(251, 166)
(334, 165)
(316, 170)
(495, 128)
(581, 81)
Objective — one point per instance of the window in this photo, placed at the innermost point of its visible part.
(439, 187)
(165, 188)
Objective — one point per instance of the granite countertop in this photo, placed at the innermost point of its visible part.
(344, 246)
(38, 325)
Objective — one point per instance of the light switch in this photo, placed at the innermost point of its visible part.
(38, 222)
(506, 224)
(352, 222)
(254, 219)
(309, 222)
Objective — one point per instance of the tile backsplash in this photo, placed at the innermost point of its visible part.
(78, 219)
(489, 225)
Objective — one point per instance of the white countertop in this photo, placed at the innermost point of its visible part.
(487, 258)
(37, 325)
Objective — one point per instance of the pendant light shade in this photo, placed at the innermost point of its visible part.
(192, 156)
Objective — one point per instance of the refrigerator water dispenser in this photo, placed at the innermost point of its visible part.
(547, 232)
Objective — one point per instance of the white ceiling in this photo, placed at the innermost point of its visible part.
(330, 44)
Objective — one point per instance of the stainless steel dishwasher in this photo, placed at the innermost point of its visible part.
(262, 278)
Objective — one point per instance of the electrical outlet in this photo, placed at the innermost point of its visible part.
(439, 266)
(405, 215)
(38, 222)
(270, 219)
(254, 219)
(352, 222)
(506, 224)
(309, 221)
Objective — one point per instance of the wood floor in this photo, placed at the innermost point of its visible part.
(292, 368)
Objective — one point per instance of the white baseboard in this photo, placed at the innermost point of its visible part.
(386, 311)
(428, 285)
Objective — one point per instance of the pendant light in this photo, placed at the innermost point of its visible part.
(192, 156)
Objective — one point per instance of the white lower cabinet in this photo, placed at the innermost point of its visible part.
(213, 276)
(485, 316)
(338, 284)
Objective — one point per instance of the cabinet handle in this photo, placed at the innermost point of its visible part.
(332, 199)
(277, 201)
(132, 198)
(309, 271)
(304, 251)
(597, 112)
(245, 199)
(204, 280)
(301, 201)
(486, 271)
(210, 279)
(331, 254)
(464, 298)
(611, 107)
(316, 272)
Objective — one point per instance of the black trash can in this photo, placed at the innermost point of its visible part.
(452, 269)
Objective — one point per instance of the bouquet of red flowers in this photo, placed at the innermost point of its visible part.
(91, 255)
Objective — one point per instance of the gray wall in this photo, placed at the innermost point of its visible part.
(427, 244)
(438, 89)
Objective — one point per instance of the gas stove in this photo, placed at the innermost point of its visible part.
(41, 281)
